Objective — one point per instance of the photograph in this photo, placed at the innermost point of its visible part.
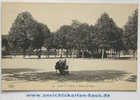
(69, 46)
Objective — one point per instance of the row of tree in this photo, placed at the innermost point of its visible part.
(27, 35)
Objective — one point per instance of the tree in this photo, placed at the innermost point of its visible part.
(92, 44)
(20, 32)
(74, 36)
(27, 32)
(42, 33)
(131, 31)
(65, 38)
(5, 45)
(108, 34)
(82, 37)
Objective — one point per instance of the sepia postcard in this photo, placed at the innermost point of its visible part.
(69, 46)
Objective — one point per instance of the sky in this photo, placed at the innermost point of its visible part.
(55, 15)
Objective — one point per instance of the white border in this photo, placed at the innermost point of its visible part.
(114, 95)
(76, 1)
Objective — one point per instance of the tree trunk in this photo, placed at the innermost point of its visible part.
(67, 53)
(119, 53)
(102, 53)
(135, 54)
(55, 53)
(78, 53)
(97, 54)
(82, 54)
(110, 53)
(70, 53)
(48, 53)
(24, 53)
(61, 54)
(39, 54)
(58, 52)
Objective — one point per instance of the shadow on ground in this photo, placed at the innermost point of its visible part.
(75, 76)
(14, 71)
(132, 78)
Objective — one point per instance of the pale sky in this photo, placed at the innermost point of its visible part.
(56, 14)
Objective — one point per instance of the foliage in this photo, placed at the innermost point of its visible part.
(131, 31)
(27, 33)
(108, 34)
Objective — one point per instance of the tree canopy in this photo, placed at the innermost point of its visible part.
(131, 31)
(108, 33)
(27, 32)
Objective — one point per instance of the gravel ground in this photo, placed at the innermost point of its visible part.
(85, 74)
